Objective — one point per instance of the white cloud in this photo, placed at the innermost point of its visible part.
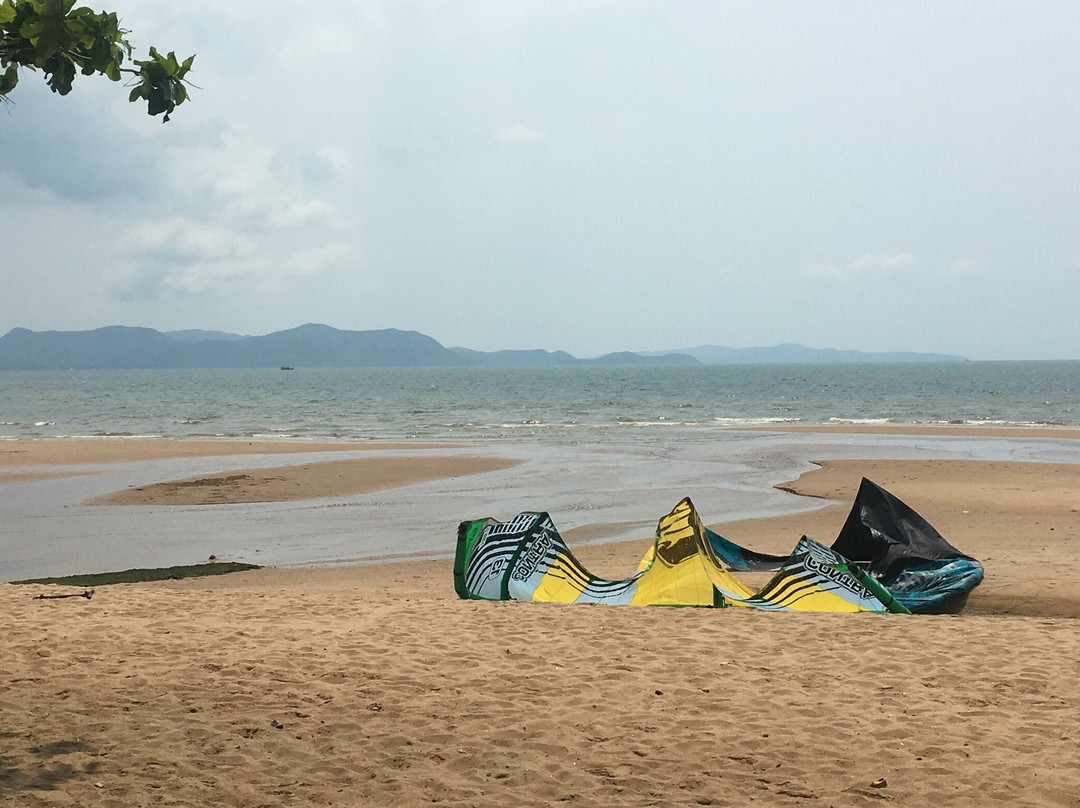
(336, 156)
(180, 256)
(319, 260)
(182, 239)
(244, 217)
(15, 193)
(865, 266)
(250, 180)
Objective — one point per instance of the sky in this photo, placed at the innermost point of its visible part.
(587, 176)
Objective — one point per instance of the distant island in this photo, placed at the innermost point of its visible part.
(311, 346)
(793, 354)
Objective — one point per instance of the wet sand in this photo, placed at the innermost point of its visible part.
(330, 478)
(45, 459)
(374, 685)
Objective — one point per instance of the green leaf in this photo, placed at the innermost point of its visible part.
(64, 40)
(48, 35)
(157, 102)
(32, 27)
(53, 8)
(61, 73)
(9, 79)
(104, 57)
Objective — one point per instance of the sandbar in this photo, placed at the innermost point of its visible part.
(332, 478)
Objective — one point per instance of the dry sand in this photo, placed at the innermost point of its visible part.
(374, 685)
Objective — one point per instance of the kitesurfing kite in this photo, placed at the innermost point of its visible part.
(894, 544)
(886, 559)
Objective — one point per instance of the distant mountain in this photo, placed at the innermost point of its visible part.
(306, 346)
(322, 346)
(800, 354)
(541, 358)
(111, 347)
(116, 347)
(198, 335)
(503, 359)
(628, 358)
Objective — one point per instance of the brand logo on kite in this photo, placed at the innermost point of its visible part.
(838, 576)
(533, 555)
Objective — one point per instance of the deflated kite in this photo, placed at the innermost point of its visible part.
(894, 544)
(898, 563)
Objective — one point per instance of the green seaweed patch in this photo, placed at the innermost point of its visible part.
(137, 576)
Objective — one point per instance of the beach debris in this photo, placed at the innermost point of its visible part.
(879, 783)
(276, 724)
(88, 593)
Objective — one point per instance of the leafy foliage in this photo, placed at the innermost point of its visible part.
(61, 41)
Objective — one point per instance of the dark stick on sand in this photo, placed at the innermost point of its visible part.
(89, 593)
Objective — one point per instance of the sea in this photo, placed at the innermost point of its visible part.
(568, 404)
(607, 449)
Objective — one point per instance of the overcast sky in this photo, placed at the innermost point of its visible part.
(587, 176)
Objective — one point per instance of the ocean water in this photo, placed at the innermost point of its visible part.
(581, 404)
(613, 448)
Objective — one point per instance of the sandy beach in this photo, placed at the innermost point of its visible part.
(372, 684)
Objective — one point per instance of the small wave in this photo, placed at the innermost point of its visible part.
(861, 421)
(628, 422)
(193, 421)
(1000, 422)
(44, 423)
(764, 421)
(112, 436)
